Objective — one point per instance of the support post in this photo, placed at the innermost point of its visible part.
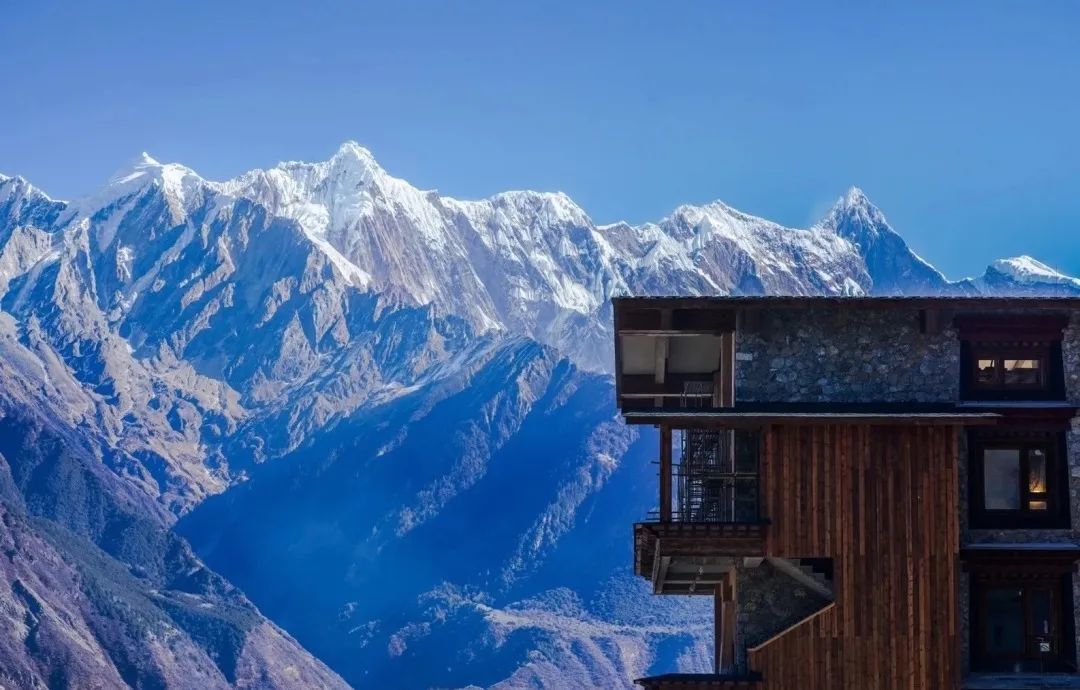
(718, 628)
(661, 353)
(665, 473)
(724, 622)
(724, 378)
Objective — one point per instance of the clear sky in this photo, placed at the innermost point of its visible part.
(961, 121)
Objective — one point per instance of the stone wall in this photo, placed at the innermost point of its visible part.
(845, 355)
(768, 601)
(1070, 355)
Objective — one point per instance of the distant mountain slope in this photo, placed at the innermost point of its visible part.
(95, 594)
(384, 413)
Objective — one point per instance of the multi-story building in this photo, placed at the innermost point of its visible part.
(877, 492)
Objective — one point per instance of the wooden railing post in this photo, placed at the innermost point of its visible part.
(665, 473)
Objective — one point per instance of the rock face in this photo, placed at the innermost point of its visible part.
(96, 594)
(381, 412)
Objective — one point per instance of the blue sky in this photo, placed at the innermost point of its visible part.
(962, 121)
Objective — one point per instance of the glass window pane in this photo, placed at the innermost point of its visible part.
(1022, 372)
(746, 504)
(984, 372)
(1001, 478)
(1004, 621)
(1037, 505)
(1036, 471)
(746, 452)
(1039, 608)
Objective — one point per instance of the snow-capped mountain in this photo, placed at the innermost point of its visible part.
(1024, 275)
(336, 380)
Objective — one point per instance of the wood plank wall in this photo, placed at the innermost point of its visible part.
(881, 501)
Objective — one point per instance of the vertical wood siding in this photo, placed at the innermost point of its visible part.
(881, 501)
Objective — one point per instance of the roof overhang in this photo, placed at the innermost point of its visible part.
(959, 303)
(766, 414)
(1017, 559)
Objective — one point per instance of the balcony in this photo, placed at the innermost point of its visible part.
(700, 681)
(709, 511)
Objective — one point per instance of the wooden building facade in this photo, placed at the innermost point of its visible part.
(858, 486)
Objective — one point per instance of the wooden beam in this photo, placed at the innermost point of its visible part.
(931, 321)
(665, 473)
(670, 332)
(718, 629)
(616, 318)
(748, 320)
(724, 378)
(660, 570)
(661, 351)
(724, 622)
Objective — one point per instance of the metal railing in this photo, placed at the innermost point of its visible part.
(716, 476)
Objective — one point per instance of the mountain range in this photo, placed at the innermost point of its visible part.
(313, 427)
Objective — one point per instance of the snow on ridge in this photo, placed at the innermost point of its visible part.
(534, 262)
(1028, 270)
(17, 184)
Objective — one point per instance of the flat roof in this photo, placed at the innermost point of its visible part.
(872, 302)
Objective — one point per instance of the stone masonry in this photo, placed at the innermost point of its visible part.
(831, 355)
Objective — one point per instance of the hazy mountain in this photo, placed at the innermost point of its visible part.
(384, 414)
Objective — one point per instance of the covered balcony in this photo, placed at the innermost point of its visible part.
(708, 517)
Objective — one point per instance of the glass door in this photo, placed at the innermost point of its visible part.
(1017, 626)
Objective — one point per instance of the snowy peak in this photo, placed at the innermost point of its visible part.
(144, 168)
(352, 155)
(1022, 275)
(179, 185)
(893, 266)
(138, 165)
(21, 203)
(856, 218)
(1025, 269)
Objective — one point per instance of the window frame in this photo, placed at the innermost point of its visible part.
(1051, 385)
(1062, 658)
(1056, 515)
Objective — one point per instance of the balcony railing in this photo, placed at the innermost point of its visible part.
(715, 477)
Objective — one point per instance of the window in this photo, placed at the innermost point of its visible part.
(1019, 623)
(996, 366)
(1017, 482)
(1016, 370)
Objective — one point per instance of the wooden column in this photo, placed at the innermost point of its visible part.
(724, 622)
(724, 377)
(665, 473)
(660, 350)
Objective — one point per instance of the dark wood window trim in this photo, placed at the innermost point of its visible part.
(1028, 583)
(1055, 495)
(1051, 380)
(1014, 336)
